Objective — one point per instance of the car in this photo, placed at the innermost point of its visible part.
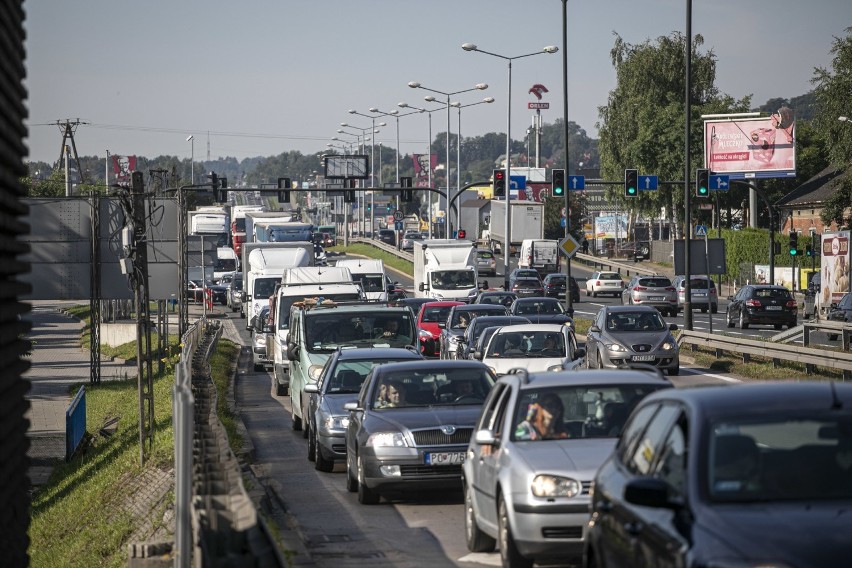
(218, 292)
(702, 295)
(495, 297)
(840, 311)
(452, 330)
(534, 347)
(656, 291)
(341, 380)
(527, 287)
(467, 346)
(408, 240)
(523, 273)
(413, 435)
(387, 236)
(541, 310)
(604, 282)
(412, 303)
(526, 486)
(260, 326)
(554, 286)
(486, 264)
(429, 318)
(764, 304)
(754, 474)
(235, 289)
(622, 335)
(195, 291)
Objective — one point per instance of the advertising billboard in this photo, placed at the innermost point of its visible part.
(752, 147)
(834, 268)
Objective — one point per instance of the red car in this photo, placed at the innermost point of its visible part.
(428, 319)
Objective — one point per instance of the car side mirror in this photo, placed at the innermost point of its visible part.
(442, 324)
(834, 305)
(352, 406)
(477, 355)
(292, 351)
(484, 438)
(422, 287)
(246, 297)
(672, 326)
(579, 353)
(595, 329)
(649, 492)
(310, 388)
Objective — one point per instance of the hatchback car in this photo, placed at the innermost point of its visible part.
(496, 297)
(541, 310)
(486, 264)
(341, 380)
(452, 330)
(534, 347)
(702, 293)
(762, 304)
(408, 240)
(537, 445)
(741, 475)
(387, 236)
(526, 287)
(604, 282)
(621, 335)
(554, 287)
(428, 325)
(654, 291)
(411, 425)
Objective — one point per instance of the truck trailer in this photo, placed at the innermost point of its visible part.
(527, 222)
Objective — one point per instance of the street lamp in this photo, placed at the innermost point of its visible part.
(395, 113)
(460, 106)
(429, 154)
(372, 143)
(477, 87)
(548, 49)
(191, 140)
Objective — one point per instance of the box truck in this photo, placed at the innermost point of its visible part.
(370, 272)
(527, 222)
(263, 268)
(445, 269)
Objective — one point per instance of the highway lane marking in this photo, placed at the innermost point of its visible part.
(713, 375)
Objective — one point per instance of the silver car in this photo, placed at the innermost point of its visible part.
(702, 293)
(536, 448)
(656, 291)
(622, 335)
(234, 294)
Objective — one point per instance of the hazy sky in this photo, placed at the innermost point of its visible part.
(265, 77)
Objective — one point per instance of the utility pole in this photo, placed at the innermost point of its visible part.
(68, 128)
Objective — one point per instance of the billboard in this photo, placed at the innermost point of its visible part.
(834, 268)
(752, 147)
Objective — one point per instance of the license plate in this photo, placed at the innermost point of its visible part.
(445, 458)
(658, 298)
(773, 308)
(700, 294)
(643, 358)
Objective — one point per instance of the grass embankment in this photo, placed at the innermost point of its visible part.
(389, 259)
(83, 517)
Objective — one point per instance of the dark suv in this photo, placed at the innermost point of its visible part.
(762, 304)
(388, 236)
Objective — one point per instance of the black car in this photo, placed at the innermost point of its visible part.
(840, 311)
(762, 304)
(554, 287)
(452, 331)
(411, 424)
(341, 380)
(541, 310)
(414, 303)
(743, 475)
(525, 287)
(468, 343)
(195, 291)
(495, 297)
(387, 236)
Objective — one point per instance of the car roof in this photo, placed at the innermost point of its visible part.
(537, 299)
(528, 327)
(370, 353)
(366, 307)
(629, 309)
(480, 308)
(765, 286)
(430, 365)
(587, 377)
(443, 304)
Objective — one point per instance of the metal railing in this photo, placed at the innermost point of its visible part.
(75, 422)
(385, 247)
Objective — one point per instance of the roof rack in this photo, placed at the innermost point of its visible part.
(643, 367)
(317, 302)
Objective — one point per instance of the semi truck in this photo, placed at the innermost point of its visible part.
(238, 225)
(210, 222)
(445, 269)
(263, 267)
(527, 222)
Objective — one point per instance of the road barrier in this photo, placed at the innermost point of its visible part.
(75, 423)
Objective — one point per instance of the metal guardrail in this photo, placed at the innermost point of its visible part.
(809, 356)
(844, 330)
(385, 247)
(615, 266)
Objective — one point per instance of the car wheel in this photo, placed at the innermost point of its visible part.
(779, 326)
(366, 496)
(306, 430)
(258, 367)
(320, 463)
(703, 310)
(743, 321)
(594, 294)
(296, 423)
(477, 541)
(833, 336)
(599, 362)
(674, 371)
(351, 479)
(311, 448)
(729, 320)
(587, 291)
(508, 551)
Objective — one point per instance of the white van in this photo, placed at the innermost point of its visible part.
(370, 272)
(539, 254)
(226, 261)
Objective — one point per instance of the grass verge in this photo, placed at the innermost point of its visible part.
(389, 259)
(759, 368)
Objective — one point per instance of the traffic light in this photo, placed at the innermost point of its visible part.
(462, 234)
(631, 183)
(702, 182)
(809, 250)
(407, 193)
(284, 196)
(558, 177)
(499, 183)
(794, 243)
(221, 194)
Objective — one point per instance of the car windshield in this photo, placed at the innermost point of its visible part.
(462, 318)
(495, 299)
(806, 456)
(427, 387)
(225, 264)
(349, 376)
(526, 344)
(372, 282)
(453, 279)
(538, 308)
(328, 330)
(436, 314)
(635, 321)
(264, 287)
(575, 412)
(286, 302)
(484, 254)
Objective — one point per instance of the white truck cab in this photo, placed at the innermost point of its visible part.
(445, 269)
(370, 272)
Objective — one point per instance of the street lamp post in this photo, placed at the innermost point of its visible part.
(459, 106)
(395, 113)
(372, 157)
(548, 49)
(191, 140)
(431, 99)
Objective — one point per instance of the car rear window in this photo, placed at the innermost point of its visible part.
(655, 282)
(771, 293)
(609, 276)
(484, 254)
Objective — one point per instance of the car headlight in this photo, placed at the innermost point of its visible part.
(314, 372)
(425, 334)
(668, 345)
(615, 347)
(387, 440)
(337, 423)
(555, 486)
(554, 368)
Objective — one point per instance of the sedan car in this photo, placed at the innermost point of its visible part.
(762, 304)
(604, 282)
(554, 287)
(341, 380)
(536, 448)
(235, 289)
(468, 343)
(195, 291)
(408, 240)
(495, 297)
(541, 310)
(527, 287)
(486, 264)
(429, 325)
(452, 330)
(621, 335)
(702, 293)
(411, 425)
(742, 475)
(534, 347)
(656, 291)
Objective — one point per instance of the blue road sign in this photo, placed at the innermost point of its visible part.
(576, 183)
(517, 182)
(647, 183)
(701, 230)
(720, 182)
(398, 226)
(562, 222)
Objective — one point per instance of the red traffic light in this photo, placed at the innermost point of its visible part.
(462, 234)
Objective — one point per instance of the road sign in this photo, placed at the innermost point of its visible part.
(701, 230)
(398, 226)
(538, 105)
(569, 246)
(398, 215)
(576, 183)
(647, 183)
(563, 223)
(517, 182)
(720, 182)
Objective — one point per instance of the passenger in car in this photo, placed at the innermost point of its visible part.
(544, 420)
(396, 395)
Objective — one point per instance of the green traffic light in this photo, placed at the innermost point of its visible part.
(794, 252)
(631, 190)
(702, 190)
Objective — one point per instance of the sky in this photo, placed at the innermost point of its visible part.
(263, 77)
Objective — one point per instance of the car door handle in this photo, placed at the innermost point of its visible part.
(634, 528)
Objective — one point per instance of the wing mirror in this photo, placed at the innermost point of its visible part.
(352, 406)
(310, 388)
(672, 326)
(485, 438)
(595, 329)
(292, 351)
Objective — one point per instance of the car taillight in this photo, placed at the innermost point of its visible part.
(791, 304)
(670, 289)
(753, 303)
(639, 289)
(597, 282)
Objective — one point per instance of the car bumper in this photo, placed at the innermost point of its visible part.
(550, 530)
(659, 304)
(332, 445)
(260, 357)
(608, 290)
(782, 317)
(413, 471)
(661, 360)
(430, 347)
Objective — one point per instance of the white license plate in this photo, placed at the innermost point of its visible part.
(773, 308)
(643, 358)
(700, 294)
(657, 298)
(445, 458)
